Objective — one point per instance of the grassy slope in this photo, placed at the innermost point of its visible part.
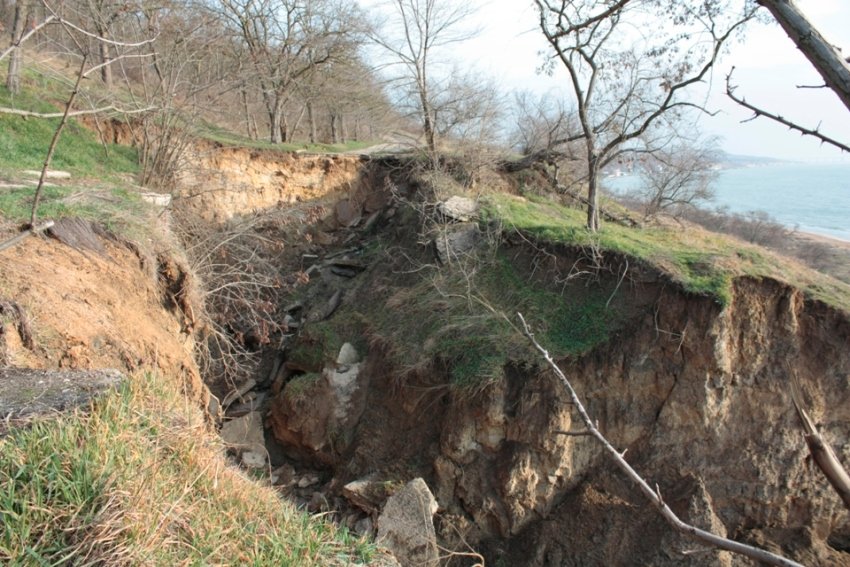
(100, 173)
(141, 480)
(702, 262)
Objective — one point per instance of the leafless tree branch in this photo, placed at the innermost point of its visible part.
(26, 36)
(757, 112)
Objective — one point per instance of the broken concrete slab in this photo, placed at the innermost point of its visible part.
(26, 393)
(456, 240)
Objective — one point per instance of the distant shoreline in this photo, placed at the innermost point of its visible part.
(833, 241)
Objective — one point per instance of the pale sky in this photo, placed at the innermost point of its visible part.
(768, 67)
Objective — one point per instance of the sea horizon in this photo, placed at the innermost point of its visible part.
(812, 197)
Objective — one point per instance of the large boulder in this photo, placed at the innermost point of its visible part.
(406, 525)
(455, 241)
(315, 414)
(457, 208)
(245, 436)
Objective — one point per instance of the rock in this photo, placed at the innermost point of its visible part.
(310, 479)
(406, 525)
(343, 272)
(368, 495)
(315, 415)
(284, 475)
(347, 355)
(456, 240)
(458, 208)
(291, 322)
(238, 392)
(318, 503)
(253, 403)
(347, 214)
(254, 460)
(326, 310)
(245, 434)
(364, 527)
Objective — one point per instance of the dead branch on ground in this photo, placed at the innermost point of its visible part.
(654, 496)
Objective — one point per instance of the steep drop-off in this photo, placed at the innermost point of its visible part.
(698, 396)
(696, 392)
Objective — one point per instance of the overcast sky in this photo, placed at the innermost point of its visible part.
(768, 67)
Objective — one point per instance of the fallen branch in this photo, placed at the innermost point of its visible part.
(101, 110)
(821, 451)
(20, 238)
(654, 496)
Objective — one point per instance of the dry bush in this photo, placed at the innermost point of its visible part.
(240, 289)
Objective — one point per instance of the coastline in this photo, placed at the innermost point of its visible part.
(831, 241)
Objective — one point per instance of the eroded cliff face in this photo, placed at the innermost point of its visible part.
(698, 396)
(110, 307)
(219, 182)
(696, 393)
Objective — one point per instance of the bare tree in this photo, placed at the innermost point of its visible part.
(541, 127)
(286, 40)
(411, 35)
(626, 80)
(678, 177)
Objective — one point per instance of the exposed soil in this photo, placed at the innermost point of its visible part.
(94, 310)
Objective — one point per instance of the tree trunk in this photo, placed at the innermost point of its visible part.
(343, 132)
(106, 59)
(312, 122)
(297, 124)
(13, 77)
(244, 94)
(592, 192)
(275, 126)
(334, 136)
(825, 58)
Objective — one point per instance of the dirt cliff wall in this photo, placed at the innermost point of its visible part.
(221, 182)
(86, 309)
(696, 393)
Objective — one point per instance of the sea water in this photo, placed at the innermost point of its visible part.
(809, 197)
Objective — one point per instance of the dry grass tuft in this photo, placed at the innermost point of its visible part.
(141, 480)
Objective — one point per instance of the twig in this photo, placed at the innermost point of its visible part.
(20, 238)
(730, 92)
(654, 496)
(574, 433)
(55, 141)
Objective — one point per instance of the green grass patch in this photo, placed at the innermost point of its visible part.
(701, 262)
(466, 319)
(113, 207)
(24, 143)
(143, 481)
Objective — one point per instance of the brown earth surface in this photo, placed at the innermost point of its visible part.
(87, 310)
